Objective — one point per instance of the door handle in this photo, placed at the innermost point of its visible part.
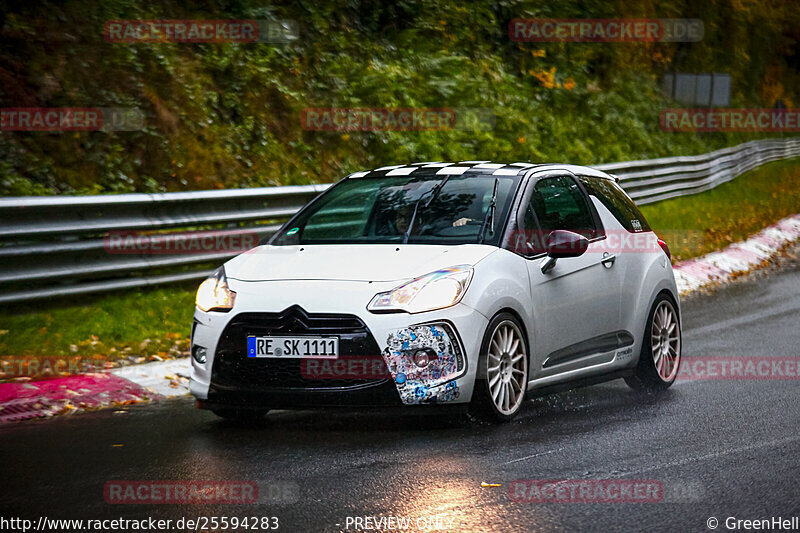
(608, 259)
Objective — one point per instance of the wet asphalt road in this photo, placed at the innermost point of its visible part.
(719, 448)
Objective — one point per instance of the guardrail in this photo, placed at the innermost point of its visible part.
(57, 246)
(652, 180)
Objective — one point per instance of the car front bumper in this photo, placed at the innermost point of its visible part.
(376, 366)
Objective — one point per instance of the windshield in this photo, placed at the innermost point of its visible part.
(381, 210)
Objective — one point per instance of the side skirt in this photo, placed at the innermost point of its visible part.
(579, 383)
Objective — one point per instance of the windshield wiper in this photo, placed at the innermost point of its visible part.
(489, 215)
(437, 189)
(434, 193)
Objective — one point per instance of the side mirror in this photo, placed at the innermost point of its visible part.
(561, 244)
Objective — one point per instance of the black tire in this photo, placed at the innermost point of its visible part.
(646, 377)
(482, 406)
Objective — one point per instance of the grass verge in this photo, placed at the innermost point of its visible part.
(128, 324)
(151, 322)
(702, 223)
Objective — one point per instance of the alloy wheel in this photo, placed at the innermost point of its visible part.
(507, 367)
(665, 341)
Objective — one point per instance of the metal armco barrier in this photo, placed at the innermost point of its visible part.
(57, 246)
(652, 180)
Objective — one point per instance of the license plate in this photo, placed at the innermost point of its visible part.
(293, 347)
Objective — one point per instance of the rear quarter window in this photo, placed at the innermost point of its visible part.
(614, 198)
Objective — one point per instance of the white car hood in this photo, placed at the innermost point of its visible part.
(351, 262)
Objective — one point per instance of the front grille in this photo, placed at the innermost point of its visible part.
(232, 367)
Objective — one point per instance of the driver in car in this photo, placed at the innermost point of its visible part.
(403, 218)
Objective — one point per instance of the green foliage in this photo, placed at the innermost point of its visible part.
(228, 115)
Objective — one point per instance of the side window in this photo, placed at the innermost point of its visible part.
(555, 203)
(560, 204)
(614, 198)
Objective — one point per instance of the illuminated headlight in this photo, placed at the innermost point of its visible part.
(214, 294)
(437, 290)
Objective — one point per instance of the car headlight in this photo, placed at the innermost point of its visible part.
(437, 290)
(214, 294)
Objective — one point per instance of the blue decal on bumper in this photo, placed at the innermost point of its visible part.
(424, 362)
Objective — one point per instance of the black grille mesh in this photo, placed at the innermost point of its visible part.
(232, 367)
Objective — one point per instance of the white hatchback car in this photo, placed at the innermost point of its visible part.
(468, 283)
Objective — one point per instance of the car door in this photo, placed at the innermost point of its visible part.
(577, 302)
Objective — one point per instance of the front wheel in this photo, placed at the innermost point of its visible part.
(502, 374)
(661, 349)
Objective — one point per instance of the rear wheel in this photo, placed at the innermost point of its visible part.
(661, 349)
(502, 375)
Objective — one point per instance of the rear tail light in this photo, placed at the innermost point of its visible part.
(664, 247)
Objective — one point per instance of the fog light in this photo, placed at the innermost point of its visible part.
(199, 354)
(421, 358)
